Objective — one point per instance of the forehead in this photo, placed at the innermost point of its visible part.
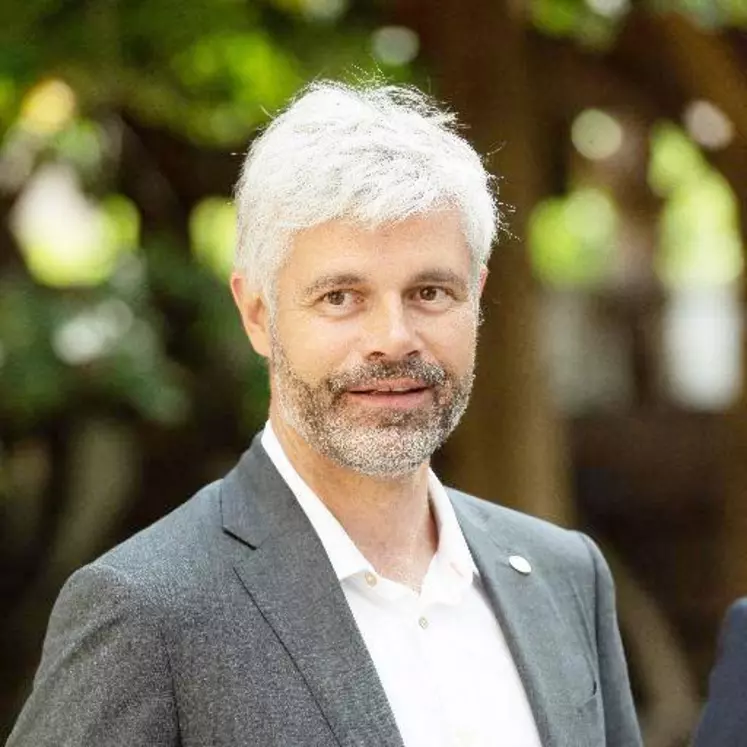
(434, 239)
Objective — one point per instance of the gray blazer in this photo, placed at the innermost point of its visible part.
(224, 624)
(724, 719)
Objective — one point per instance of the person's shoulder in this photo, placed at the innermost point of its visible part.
(734, 628)
(738, 611)
(189, 527)
(519, 525)
(557, 548)
(167, 559)
(724, 719)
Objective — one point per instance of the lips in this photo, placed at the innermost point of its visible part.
(397, 386)
(392, 394)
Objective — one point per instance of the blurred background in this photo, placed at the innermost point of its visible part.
(610, 392)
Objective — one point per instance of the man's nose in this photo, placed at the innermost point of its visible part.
(391, 332)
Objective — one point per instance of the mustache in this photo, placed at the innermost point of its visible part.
(430, 374)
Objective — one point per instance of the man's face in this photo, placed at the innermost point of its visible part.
(372, 340)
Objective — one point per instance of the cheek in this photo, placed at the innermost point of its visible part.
(454, 343)
(460, 356)
(315, 348)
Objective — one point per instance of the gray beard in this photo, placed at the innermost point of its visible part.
(384, 443)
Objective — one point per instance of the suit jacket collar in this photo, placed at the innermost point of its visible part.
(293, 584)
(546, 649)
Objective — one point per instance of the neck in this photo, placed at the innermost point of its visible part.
(388, 519)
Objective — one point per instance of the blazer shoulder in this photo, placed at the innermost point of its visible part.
(733, 638)
(175, 553)
(522, 530)
(724, 718)
(737, 615)
(565, 556)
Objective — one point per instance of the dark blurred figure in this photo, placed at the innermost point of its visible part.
(724, 721)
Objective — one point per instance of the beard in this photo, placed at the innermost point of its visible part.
(375, 441)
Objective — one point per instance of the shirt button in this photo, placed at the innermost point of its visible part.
(370, 578)
(465, 739)
(423, 622)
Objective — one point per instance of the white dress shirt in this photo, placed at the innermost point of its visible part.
(440, 655)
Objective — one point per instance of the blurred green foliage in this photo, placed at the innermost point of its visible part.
(700, 242)
(708, 13)
(210, 69)
(572, 239)
(595, 23)
(579, 20)
(212, 228)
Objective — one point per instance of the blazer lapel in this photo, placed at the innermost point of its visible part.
(286, 571)
(545, 649)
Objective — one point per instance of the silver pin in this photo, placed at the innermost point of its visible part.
(520, 564)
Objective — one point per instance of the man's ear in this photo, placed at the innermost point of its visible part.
(254, 313)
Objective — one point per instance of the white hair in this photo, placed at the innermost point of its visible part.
(373, 154)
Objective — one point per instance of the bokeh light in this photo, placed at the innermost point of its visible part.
(395, 45)
(596, 135)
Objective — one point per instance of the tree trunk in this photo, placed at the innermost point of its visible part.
(509, 448)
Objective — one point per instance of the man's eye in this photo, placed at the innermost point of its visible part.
(338, 298)
(431, 293)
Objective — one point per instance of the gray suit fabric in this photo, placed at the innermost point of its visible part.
(724, 719)
(224, 624)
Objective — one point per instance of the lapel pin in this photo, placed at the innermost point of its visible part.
(520, 564)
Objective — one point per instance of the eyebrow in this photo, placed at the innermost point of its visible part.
(443, 277)
(435, 275)
(327, 282)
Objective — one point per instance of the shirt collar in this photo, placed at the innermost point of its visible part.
(452, 547)
(346, 559)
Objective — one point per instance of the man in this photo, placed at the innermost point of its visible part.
(724, 720)
(330, 591)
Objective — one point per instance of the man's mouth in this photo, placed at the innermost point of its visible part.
(392, 393)
(394, 386)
